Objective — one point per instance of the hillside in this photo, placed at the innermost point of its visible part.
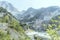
(52, 27)
(10, 28)
(55, 22)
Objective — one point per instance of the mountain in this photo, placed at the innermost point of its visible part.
(10, 28)
(29, 13)
(9, 7)
(38, 13)
(35, 17)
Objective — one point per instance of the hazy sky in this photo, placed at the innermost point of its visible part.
(25, 4)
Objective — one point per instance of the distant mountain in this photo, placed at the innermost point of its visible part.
(27, 14)
(35, 17)
(42, 13)
(9, 7)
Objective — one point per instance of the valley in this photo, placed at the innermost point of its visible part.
(30, 24)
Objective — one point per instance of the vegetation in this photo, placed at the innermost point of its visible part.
(53, 27)
(4, 36)
(12, 24)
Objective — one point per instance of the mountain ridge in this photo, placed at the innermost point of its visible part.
(33, 16)
(9, 7)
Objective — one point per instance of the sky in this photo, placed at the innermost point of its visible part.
(25, 4)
